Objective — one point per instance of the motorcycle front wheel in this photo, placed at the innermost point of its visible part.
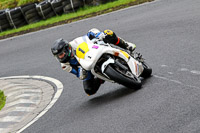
(125, 78)
(147, 70)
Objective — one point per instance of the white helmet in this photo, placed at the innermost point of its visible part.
(92, 33)
(94, 30)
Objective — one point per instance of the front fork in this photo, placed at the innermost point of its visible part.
(137, 56)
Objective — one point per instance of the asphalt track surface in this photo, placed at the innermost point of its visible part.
(167, 33)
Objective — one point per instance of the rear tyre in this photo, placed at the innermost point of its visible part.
(34, 10)
(3, 15)
(17, 15)
(130, 80)
(28, 7)
(34, 19)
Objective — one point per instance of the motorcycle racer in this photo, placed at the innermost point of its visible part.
(65, 53)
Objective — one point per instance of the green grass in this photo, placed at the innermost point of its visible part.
(81, 12)
(7, 4)
(23, 2)
(14, 3)
(2, 99)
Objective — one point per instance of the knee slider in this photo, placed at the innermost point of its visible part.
(90, 91)
(109, 32)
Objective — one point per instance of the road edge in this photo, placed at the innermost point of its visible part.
(58, 88)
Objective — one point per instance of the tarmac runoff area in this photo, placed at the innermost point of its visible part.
(28, 98)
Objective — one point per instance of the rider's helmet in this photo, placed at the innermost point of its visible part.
(62, 50)
(93, 33)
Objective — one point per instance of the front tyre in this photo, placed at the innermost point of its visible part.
(147, 70)
(127, 79)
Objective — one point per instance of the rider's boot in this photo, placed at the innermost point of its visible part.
(127, 45)
(112, 38)
(130, 46)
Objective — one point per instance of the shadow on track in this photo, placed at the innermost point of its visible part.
(97, 102)
(114, 95)
(111, 96)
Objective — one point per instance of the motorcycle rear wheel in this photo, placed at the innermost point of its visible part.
(129, 80)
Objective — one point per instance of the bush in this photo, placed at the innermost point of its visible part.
(4, 4)
(8, 4)
(2, 99)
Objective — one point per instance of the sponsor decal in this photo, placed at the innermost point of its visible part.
(81, 50)
(95, 46)
(124, 53)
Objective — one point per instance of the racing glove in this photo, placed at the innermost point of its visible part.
(78, 71)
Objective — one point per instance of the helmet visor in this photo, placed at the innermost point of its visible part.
(64, 56)
(61, 55)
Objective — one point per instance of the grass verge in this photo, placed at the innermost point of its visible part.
(82, 13)
(2, 99)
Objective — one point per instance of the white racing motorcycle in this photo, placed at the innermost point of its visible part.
(111, 63)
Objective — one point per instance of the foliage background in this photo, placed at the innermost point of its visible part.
(4, 4)
(2, 99)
